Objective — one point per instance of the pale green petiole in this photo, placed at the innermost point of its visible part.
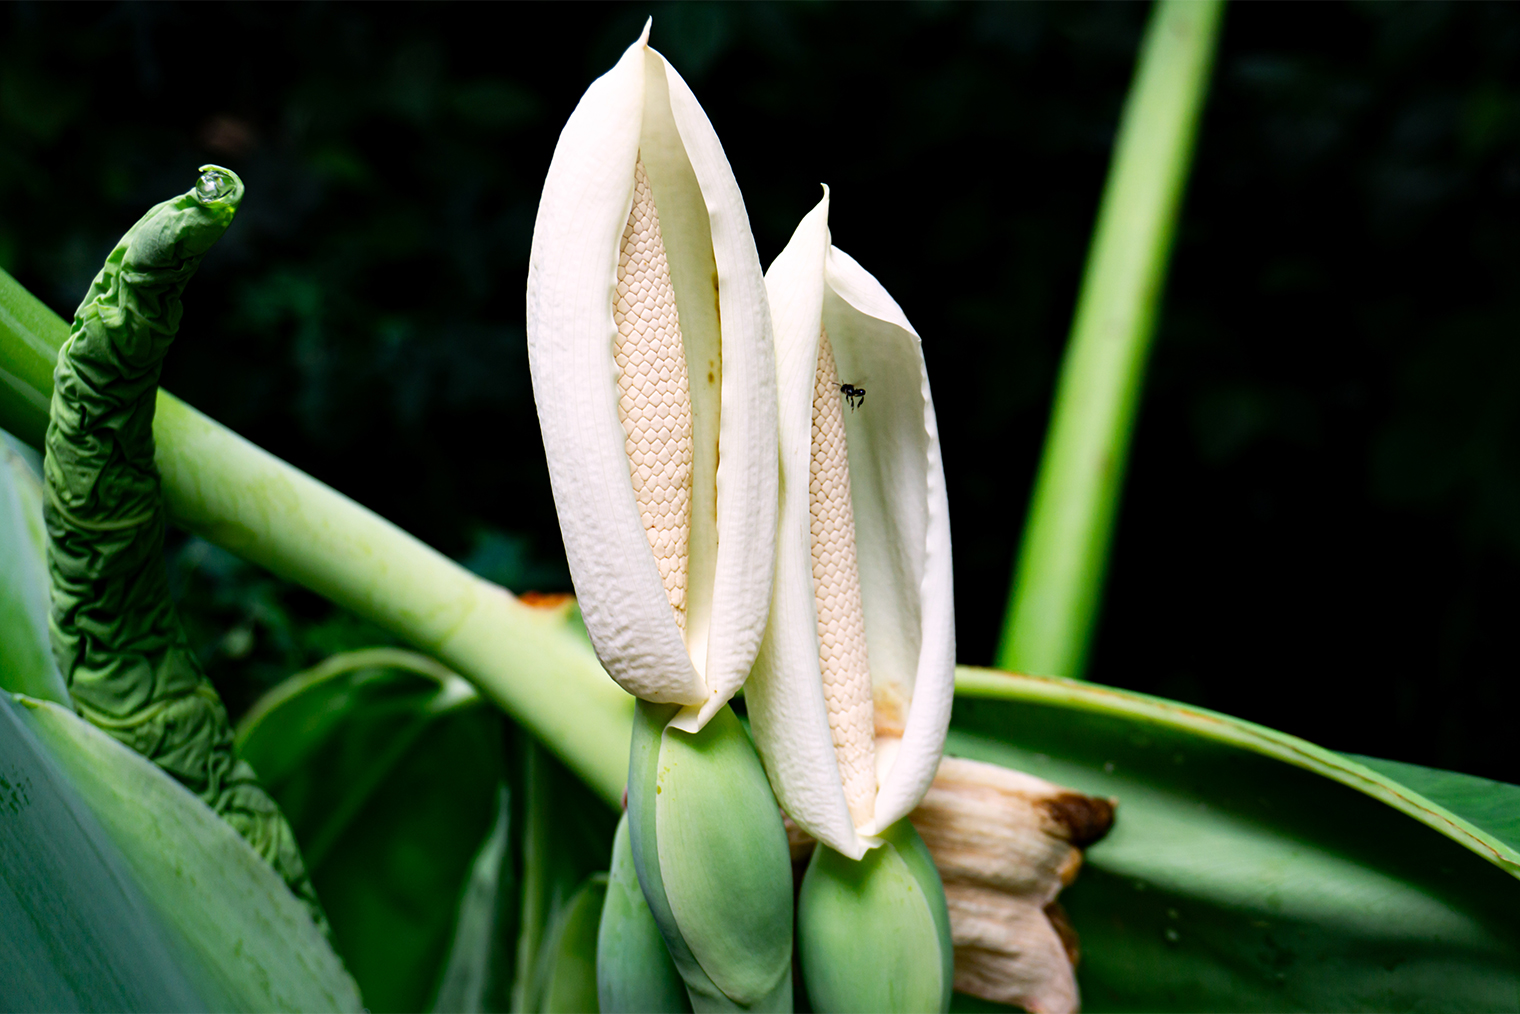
(1058, 580)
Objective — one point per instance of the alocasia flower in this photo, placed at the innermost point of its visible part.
(850, 697)
(649, 340)
(650, 346)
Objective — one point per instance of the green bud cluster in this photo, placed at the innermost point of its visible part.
(699, 907)
(873, 934)
(712, 859)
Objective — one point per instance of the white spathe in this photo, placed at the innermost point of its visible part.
(641, 109)
(902, 524)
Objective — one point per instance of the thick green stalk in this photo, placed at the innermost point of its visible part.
(232, 493)
(1062, 559)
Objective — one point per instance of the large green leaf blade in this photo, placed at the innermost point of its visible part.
(1248, 870)
(250, 944)
(76, 931)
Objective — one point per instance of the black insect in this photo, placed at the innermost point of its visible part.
(856, 396)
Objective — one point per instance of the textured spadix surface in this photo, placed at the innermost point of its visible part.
(901, 547)
(663, 470)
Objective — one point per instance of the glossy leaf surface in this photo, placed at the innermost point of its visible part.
(118, 888)
(1248, 870)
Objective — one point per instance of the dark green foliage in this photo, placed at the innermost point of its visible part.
(387, 766)
(451, 854)
(115, 634)
(250, 629)
(567, 843)
(1235, 881)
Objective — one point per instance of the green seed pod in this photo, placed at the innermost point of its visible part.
(115, 634)
(873, 934)
(712, 858)
(634, 972)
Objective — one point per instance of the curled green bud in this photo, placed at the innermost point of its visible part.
(873, 934)
(712, 858)
(634, 972)
(115, 633)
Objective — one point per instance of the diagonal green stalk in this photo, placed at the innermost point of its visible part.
(530, 661)
(1058, 580)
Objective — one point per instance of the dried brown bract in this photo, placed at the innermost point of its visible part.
(1006, 843)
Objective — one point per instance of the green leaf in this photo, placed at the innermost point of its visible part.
(567, 841)
(247, 942)
(387, 766)
(570, 984)
(26, 656)
(76, 930)
(1492, 807)
(31, 335)
(1249, 870)
(478, 974)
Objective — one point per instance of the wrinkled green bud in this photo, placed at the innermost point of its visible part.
(873, 934)
(712, 858)
(634, 972)
(114, 630)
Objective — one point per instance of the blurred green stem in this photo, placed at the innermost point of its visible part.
(531, 661)
(1062, 559)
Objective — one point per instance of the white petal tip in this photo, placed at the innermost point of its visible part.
(644, 35)
(691, 718)
(863, 843)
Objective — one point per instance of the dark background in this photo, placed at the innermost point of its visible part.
(1321, 530)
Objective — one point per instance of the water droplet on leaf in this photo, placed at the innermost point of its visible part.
(213, 186)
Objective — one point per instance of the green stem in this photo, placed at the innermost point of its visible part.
(1062, 560)
(219, 486)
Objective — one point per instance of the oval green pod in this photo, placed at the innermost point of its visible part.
(634, 972)
(712, 859)
(873, 934)
(115, 634)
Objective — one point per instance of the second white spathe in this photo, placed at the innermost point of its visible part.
(641, 109)
(903, 544)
